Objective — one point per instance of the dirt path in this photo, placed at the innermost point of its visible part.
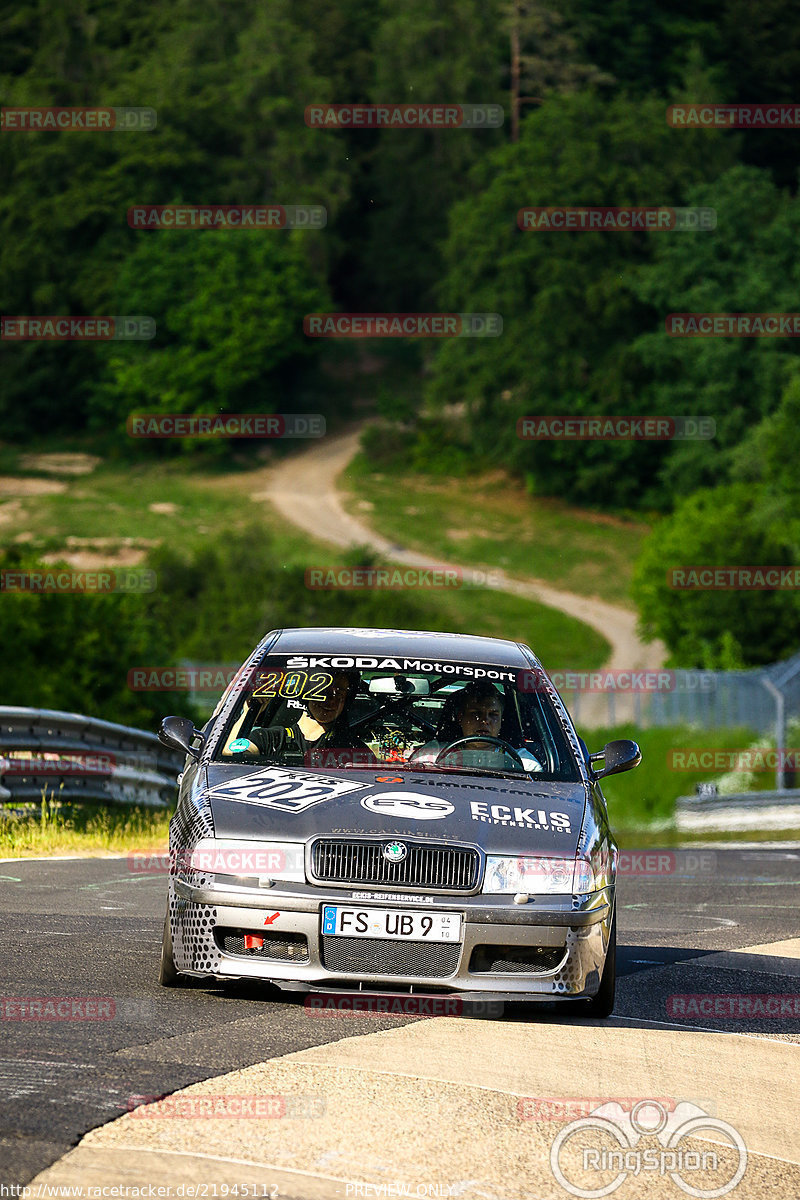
(304, 490)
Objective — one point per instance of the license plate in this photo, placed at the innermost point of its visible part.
(338, 921)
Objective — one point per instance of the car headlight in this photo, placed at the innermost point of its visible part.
(247, 862)
(538, 876)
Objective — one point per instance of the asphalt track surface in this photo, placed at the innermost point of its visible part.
(92, 928)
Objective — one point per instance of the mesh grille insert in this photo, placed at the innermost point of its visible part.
(513, 960)
(445, 868)
(385, 956)
(285, 947)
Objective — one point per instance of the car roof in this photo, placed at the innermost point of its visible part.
(456, 647)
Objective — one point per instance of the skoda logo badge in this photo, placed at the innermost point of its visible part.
(394, 852)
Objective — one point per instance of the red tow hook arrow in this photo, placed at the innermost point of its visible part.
(274, 917)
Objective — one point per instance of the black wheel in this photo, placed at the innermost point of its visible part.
(602, 1005)
(168, 976)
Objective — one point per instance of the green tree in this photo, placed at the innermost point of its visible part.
(229, 309)
(566, 298)
(748, 264)
(716, 628)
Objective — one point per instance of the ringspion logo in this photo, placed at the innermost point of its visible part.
(614, 1143)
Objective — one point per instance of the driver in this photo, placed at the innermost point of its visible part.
(321, 737)
(477, 711)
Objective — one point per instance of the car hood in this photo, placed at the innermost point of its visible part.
(257, 803)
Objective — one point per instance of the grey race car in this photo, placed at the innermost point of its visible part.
(385, 809)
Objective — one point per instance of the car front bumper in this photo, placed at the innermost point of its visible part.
(570, 933)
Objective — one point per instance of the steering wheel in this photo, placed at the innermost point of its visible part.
(479, 738)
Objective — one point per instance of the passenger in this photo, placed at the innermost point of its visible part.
(475, 711)
(321, 737)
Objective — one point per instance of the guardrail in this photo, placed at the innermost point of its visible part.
(72, 757)
(776, 810)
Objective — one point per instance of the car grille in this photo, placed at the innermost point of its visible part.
(513, 960)
(441, 868)
(285, 947)
(385, 956)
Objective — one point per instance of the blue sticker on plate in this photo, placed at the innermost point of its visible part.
(239, 744)
(328, 919)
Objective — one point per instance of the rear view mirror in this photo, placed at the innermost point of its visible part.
(618, 756)
(399, 685)
(178, 733)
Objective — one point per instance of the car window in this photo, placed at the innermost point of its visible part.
(410, 715)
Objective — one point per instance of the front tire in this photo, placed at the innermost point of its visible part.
(168, 975)
(602, 1005)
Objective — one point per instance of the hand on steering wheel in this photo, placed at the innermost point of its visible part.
(479, 738)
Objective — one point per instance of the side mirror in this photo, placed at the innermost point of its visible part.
(178, 733)
(621, 755)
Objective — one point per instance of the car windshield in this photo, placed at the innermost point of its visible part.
(362, 712)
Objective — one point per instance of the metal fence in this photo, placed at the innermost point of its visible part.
(72, 757)
(757, 699)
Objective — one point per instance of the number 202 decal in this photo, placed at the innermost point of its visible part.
(293, 685)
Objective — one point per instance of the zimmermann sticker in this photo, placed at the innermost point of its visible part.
(285, 791)
(408, 806)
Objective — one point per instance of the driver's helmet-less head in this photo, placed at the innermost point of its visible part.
(353, 678)
(449, 727)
